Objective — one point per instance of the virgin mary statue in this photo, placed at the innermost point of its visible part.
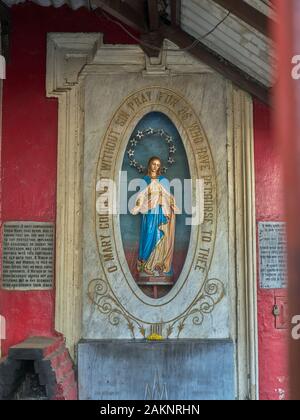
(158, 209)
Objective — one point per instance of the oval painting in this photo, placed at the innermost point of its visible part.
(154, 232)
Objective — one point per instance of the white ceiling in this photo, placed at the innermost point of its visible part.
(234, 39)
(264, 6)
(74, 4)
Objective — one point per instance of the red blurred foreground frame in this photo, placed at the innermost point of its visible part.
(287, 125)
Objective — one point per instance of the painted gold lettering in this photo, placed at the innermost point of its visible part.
(202, 260)
(207, 237)
(122, 118)
(195, 132)
(112, 269)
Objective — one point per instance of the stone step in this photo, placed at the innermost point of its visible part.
(35, 348)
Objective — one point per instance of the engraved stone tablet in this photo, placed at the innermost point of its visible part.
(27, 262)
(272, 255)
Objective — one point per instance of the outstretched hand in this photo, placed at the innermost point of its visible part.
(135, 211)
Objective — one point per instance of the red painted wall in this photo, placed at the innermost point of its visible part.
(29, 144)
(273, 357)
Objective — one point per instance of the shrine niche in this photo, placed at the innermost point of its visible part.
(156, 264)
(157, 240)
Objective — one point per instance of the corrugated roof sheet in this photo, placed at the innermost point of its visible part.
(264, 6)
(234, 39)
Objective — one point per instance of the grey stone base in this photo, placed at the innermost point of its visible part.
(167, 370)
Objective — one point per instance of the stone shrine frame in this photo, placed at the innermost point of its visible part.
(71, 60)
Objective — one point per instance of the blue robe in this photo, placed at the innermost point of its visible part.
(150, 233)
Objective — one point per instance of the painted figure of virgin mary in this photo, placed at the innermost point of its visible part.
(158, 209)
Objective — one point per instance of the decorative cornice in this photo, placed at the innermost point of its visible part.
(72, 56)
(67, 55)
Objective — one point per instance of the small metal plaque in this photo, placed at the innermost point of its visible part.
(28, 256)
(272, 255)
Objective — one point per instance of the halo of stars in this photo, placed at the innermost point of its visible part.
(140, 136)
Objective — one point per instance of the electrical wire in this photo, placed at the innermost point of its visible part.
(153, 47)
